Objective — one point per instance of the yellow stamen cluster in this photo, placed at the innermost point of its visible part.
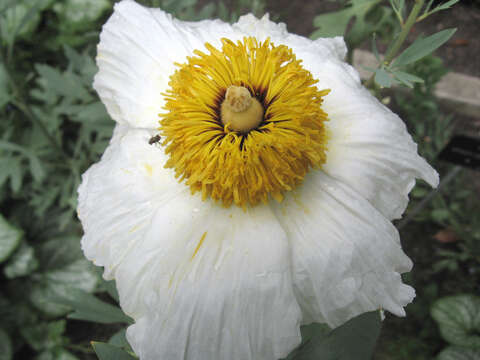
(244, 167)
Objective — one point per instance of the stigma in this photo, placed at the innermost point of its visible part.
(240, 111)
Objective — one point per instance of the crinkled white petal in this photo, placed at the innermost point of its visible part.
(346, 256)
(136, 55)
(263, 28)
(369, 147)
(201, 281)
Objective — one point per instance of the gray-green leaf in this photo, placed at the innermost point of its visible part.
(383, 78)
(109, 352)
(10, 237)
(23, 262)
(459, 353)
(458, 318)
(360, 334)
(87, 307)
(119, 340)
(6, 351)
(422, 47)
(60, 283)
(335, 23)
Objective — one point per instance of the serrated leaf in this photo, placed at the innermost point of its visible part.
(92, 113)
(22, 262)
(80, 12)
(19, 20)
(62, 84)
(6, 350)
(458, 318)
(423, 47)
(109, 352)
(459, 353)
(60, 283)
(89, 308)
(360, 333)
(10, 237)
(44, 335)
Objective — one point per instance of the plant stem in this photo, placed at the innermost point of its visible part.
(393, 51)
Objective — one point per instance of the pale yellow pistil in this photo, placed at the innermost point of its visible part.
(240, 110)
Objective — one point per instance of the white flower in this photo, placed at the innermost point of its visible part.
(212, 267)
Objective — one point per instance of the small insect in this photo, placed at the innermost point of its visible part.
(154, 139)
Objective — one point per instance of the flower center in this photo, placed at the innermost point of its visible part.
(240, 111)
(243, 123)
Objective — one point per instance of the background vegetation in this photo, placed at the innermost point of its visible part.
(53, 302)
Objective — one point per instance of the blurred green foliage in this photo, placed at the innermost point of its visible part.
(53, 127)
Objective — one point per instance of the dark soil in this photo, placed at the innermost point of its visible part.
(461, 53)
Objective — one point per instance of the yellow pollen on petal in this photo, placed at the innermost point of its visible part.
(199, 245)
(243, 124)
(149, 169)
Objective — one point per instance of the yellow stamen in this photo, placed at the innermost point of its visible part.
(243, 123)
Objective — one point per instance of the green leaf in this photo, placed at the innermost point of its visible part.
(335, 23)
(444, 6)
(440, 215)
(23, 262)
(119, 339)
(458, 318)
(44, 336)
(459, 353)
(6, 351)
(406, 78)
(59, 252)
(111, 288)
(383, 78)
(355, 339)
(4, 90)
(80, 13)
(56, 354)
(423, 47)
(89, 308)
(60, 283)
(10, 237)
(109, 352)
(62, 84)
(19, 20)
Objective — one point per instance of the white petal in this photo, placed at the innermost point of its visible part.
(347, 257)
(264, 28)
(129, 165)
(201, 281)
(136, 54)
(369, 147)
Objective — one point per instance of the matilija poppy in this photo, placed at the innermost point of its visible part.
(248, 188)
